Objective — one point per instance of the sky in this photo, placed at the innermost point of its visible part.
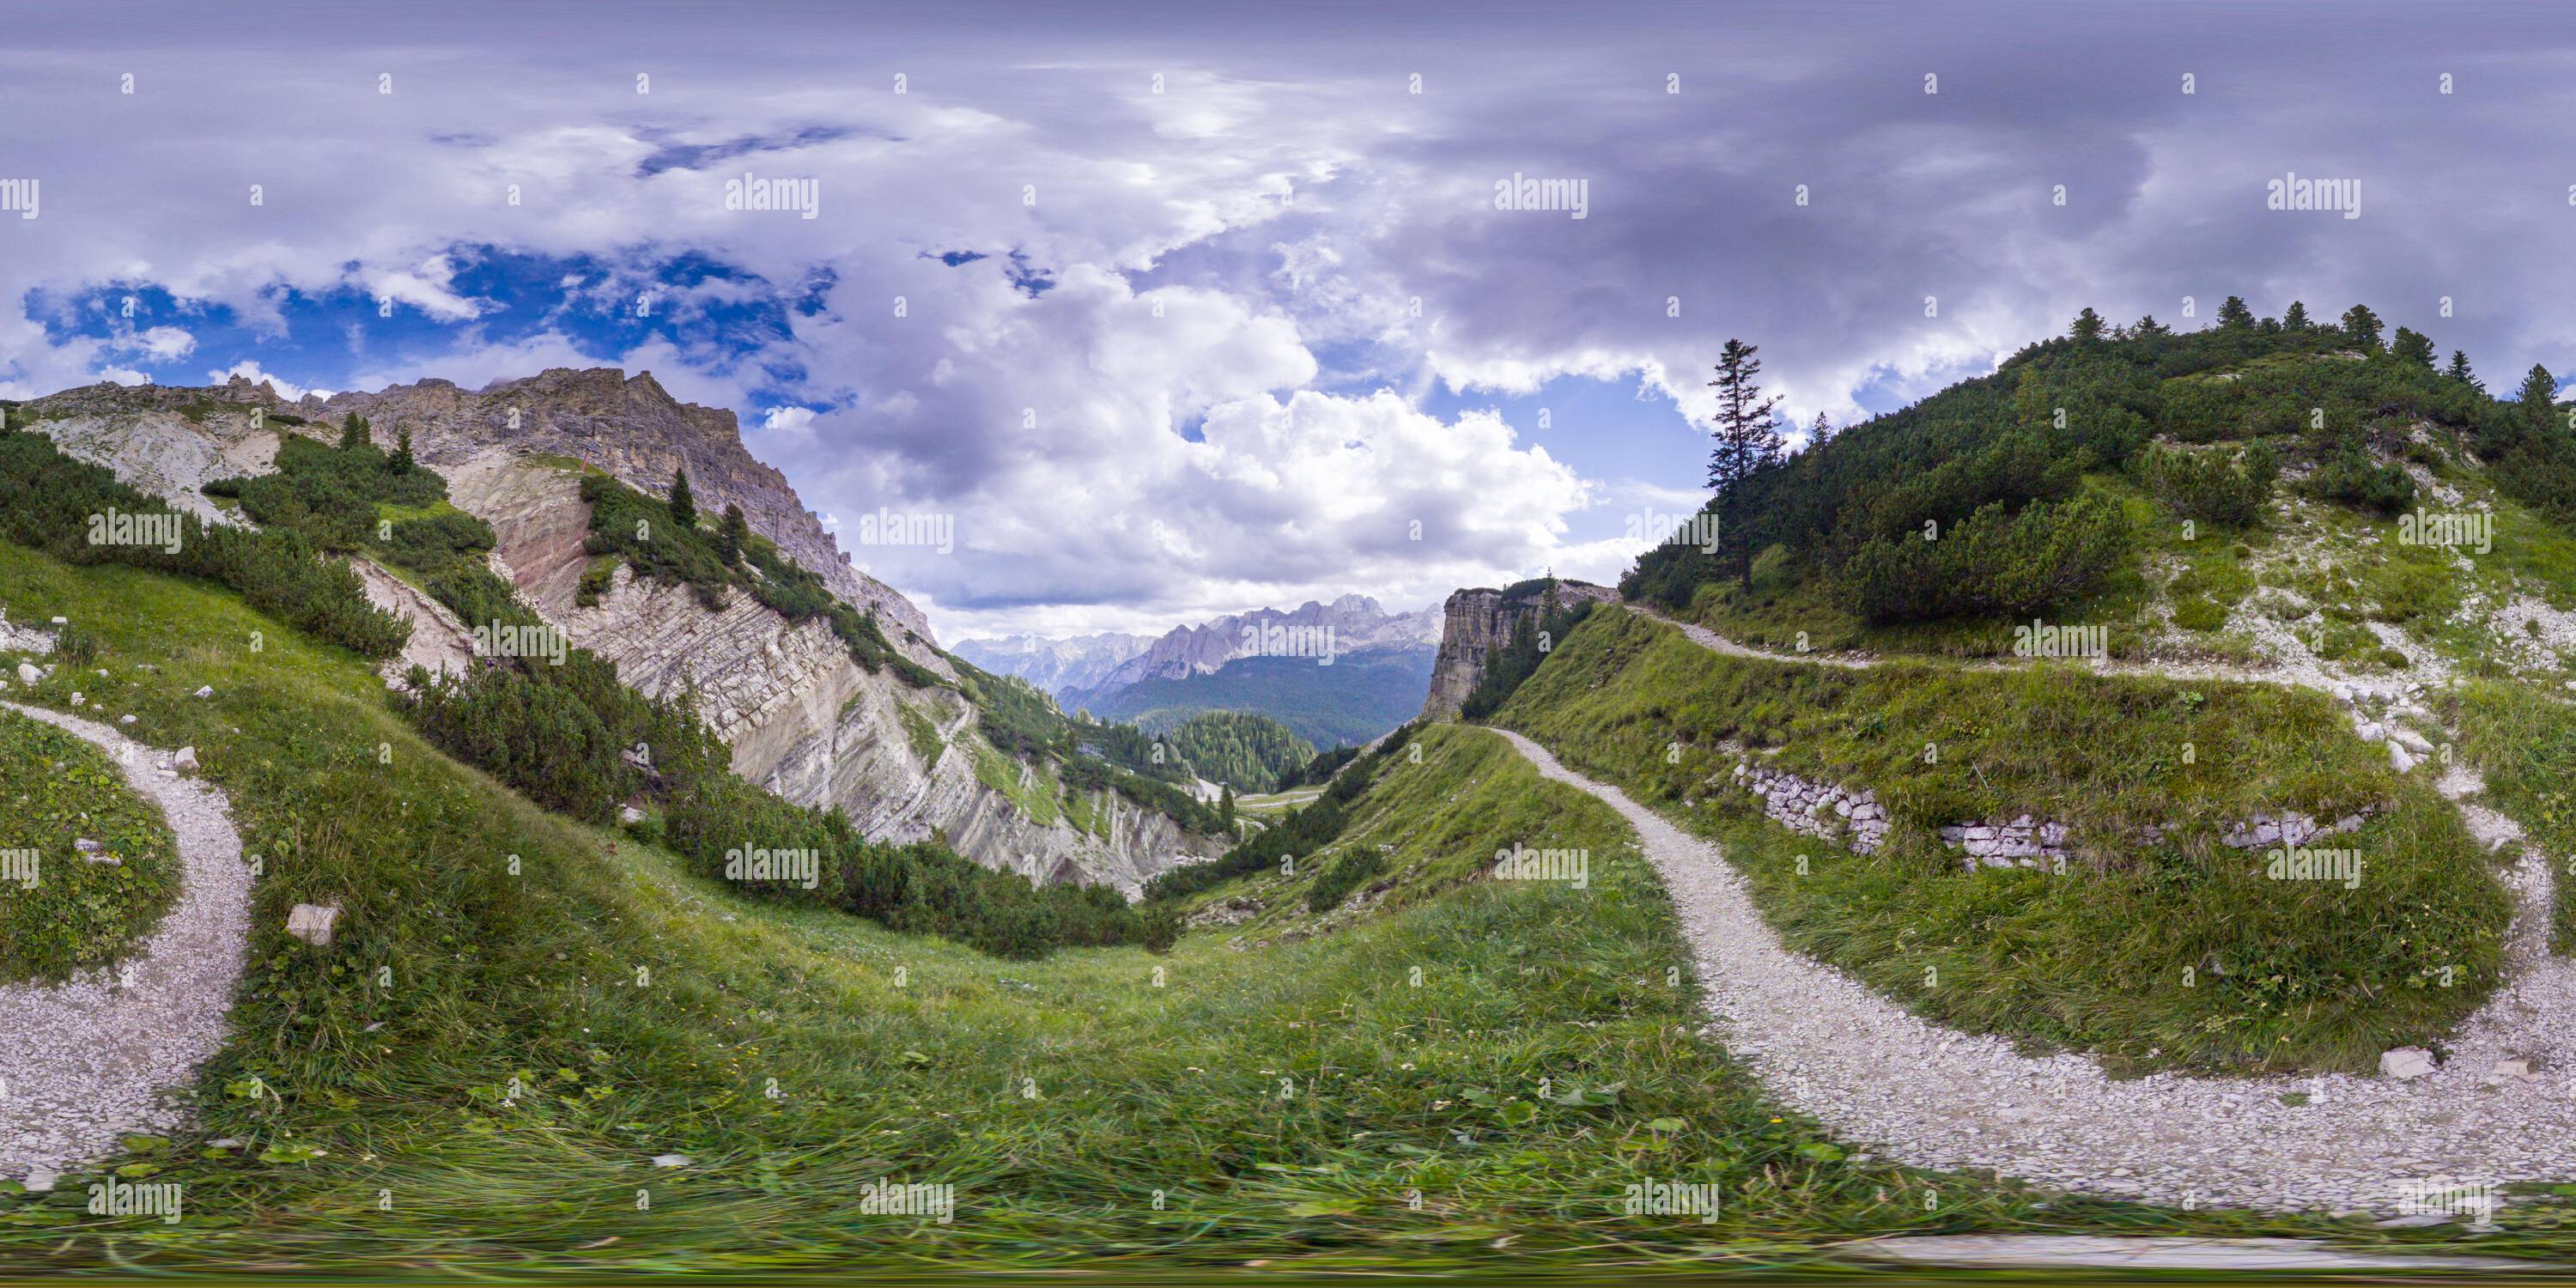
(1182, 310)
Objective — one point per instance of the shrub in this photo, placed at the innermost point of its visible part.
(1348, 873)
(2208, 487)
(1993, 563)
(2350, 478)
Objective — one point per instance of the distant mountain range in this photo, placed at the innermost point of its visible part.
(1058, 666)
(1341, 672)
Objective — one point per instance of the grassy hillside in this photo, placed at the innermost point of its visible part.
(2180, 954)
(1469, 1078)
(1357, 698)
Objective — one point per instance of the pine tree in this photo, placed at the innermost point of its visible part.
(1821, 432)
(684, 508)
(2233, 314)
(1225, 809)
(2539, 395)
(2088, 326)
(354, 432)
(2148, 326)
(402, 462)
(2296, 319)
(2361, 326)
(1747, 442)
(2413, 346)
(2459, 370)
(732, 536)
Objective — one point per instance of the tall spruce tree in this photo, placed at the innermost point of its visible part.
(2361, 326)
(2088, 326)
(2539, 396)
(1821, 432)
(1747, 441)
(401, 462)
(2297, 318)
(2459, 370)
(684, 508)
(2234, 316)
(354, 432)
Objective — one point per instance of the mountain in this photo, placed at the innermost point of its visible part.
(907, 750)
(1350, 624)
(1336, 673)
(1358, 697)
(1057, 666)
(1480, 620)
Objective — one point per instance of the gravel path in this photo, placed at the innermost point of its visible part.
(84, 1062)
(1872, 1072)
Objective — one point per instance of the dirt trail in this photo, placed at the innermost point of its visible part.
(1877, 1075)
(89, 1060)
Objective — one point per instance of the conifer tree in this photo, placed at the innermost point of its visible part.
(2361, 326)
(684, 508)
(2233, 314)
(1748, 440)
(2539, 395)
(2413, 346)
(2296, 319)
(2459, 370)
(2088, 326)
(402, 462)
(354, 432)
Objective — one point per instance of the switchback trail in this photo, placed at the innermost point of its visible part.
(1879, 1076)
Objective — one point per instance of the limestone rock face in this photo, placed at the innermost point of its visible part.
(1477, 621)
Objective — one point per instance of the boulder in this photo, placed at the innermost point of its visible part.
(28, 674)
(2406, 1063)
(313, 923)
(186, 761)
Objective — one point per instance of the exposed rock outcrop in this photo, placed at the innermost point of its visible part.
(802, 717)
(1476, 621)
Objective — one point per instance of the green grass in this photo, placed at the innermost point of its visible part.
(1413, 1044)
(2281, 975)
(922, 734)
(59, 911)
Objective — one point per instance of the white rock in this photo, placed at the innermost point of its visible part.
(126, 719)
(206, 691)
(78, 699)
(2397, 756)
(629, 814)
(28, 674)
(41, 1180)
(670, 1160)
(186, 761)
(313, 923)
(2413, 741)
(2406, 1063)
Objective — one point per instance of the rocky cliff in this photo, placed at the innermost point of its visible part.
(1476, 621)
(803, 719)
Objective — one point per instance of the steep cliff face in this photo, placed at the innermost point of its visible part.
(802, 718)
(1476, 622)
(1350, 624)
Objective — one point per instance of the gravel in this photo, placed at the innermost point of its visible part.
(89, 1060)
(1914, 1092)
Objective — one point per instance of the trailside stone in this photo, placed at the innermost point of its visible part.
(313, 923)
(2406, 1063)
